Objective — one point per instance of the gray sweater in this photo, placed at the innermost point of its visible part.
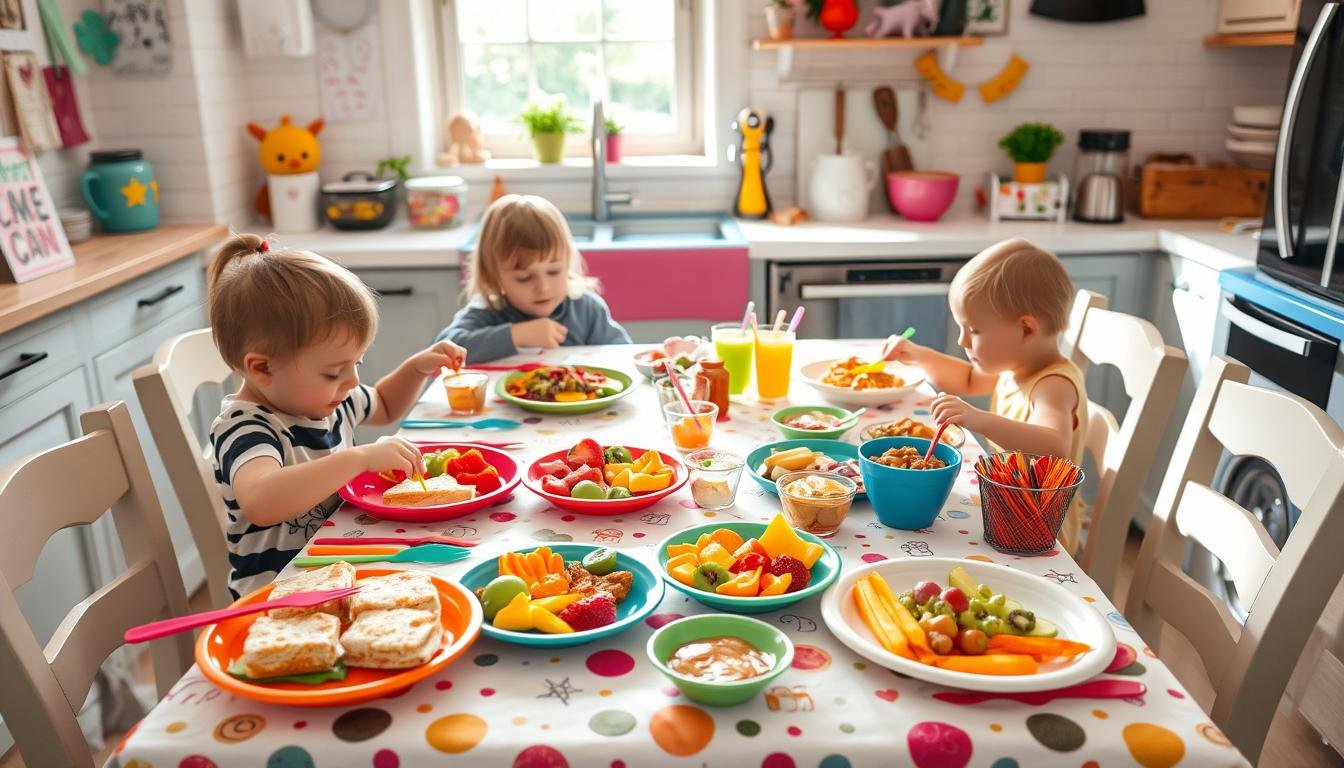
(486, 332)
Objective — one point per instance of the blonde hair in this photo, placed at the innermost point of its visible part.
(1015, 278)
(516, 232)
(277, 300)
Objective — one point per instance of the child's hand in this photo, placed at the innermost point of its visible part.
(392, 453)
(542, 332)
(954, 410)
(444, 354)
(901, 350)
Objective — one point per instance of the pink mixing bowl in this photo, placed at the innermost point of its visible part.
(922, 195)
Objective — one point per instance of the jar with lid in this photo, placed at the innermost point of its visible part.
(433, 202)
(711, 383)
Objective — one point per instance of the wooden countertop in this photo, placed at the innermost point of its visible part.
(103, 262)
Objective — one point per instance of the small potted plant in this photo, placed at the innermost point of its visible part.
(613, 139)
(1031, 146)
(779, 19)
(547, 125)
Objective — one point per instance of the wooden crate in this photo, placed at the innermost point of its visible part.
(1179, 191)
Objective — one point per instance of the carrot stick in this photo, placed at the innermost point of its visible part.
(1039, 648)
(914, 634)
(988, 664)
(886, 602)
(875, 616)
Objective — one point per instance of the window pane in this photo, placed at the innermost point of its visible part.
(496, 81)
(491, 22)
(569, 70)
(639, 19)
(562, 19)
(640, 80)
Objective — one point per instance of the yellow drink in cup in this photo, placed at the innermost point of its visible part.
(690, 428)
(733, 346)
(774, 359)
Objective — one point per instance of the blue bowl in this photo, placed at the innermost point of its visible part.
(646, 592)
(836, 449)
(908, 499)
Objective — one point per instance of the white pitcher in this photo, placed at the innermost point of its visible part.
(840, 187)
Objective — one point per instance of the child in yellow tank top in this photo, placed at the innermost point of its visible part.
(1011, 302)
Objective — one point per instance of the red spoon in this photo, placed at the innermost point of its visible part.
(1094, 689)
(156, 629)
(934, 444)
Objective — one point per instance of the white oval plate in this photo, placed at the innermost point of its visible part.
(812, 374)
(1075, 618)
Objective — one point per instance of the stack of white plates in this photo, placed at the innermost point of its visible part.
(77, 223)
(1253, 135)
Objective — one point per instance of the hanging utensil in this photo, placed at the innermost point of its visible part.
(839, 120)
(896, 157)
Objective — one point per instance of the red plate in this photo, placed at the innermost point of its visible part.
(606, 507)
(366, 490)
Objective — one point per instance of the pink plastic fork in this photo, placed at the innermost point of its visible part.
(518, 367)
(156, 629)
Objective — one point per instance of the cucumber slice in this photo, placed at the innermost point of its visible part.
(1043, 628)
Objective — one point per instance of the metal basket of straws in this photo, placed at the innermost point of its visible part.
(1023, 499)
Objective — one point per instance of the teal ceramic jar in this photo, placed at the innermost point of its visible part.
(121, 190)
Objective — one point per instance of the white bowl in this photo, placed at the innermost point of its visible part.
(1252, 154)
(812, 374)
(1258, 115)
(1247, 133)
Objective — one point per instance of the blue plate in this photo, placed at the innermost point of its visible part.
(646, 592)
(836, 449)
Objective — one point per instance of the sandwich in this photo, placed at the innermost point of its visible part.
(294, 646)
(440, 489)
(403, 589)
(398, 638)
(334, 576)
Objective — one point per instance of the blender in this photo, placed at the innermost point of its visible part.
(1103, 162)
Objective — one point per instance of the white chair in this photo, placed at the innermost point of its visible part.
(167, 390)
(1124, 452)
(74, 484)
(1083, 301)
(1248, 665)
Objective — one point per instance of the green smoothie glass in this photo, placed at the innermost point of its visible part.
(734, 347)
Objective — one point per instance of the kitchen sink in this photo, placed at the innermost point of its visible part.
(665, 231)
(679, 230)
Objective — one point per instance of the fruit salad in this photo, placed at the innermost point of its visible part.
(562, 384)
(777, 563)
(539, 591)
(469, 468)
(591, 471)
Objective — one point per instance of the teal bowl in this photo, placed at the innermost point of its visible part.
(646, 592)
(795, 433)
(665, 642)
(909, 499)
(834, 448)
(825, 571)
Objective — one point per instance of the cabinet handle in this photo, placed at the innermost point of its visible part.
(25, 359)
(407, 291)
(160, 296)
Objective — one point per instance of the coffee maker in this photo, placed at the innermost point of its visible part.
(1103, 163)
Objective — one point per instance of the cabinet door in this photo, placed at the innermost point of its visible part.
(112, 375)
(413, 306)
(1123, 280)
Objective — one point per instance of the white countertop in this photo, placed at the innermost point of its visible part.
(961, 234)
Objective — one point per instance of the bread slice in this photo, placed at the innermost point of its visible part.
(399, 638)
(403, 589)
(334, 576)
(293, 646)
(442, 489)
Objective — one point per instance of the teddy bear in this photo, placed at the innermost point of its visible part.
(911, 18)
(465, 144)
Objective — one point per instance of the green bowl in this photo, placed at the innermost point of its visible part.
(825, 571)
(803, 434)
(583, 406)
(663, 643)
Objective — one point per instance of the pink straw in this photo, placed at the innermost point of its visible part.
(797, 318)
(751, 307)
(754, 329)
(681, 391)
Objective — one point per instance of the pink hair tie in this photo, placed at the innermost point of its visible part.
(264, 247)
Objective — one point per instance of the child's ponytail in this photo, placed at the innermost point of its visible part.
(236, 247)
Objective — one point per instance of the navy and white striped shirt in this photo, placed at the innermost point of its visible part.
(245, 430)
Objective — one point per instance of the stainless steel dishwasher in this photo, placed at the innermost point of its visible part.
(866, 299)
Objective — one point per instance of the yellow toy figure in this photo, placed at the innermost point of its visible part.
(285, 150)
(753, 201)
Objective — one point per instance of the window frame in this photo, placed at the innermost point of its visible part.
(689, 138)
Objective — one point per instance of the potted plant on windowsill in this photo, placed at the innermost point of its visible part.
(613, 139)
(779, 19)
(547, 125)
(1031, 145)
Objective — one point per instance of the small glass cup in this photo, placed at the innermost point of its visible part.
(818, 515)
(668, 393)
(691, 429)
(466, 392)
(714, 477)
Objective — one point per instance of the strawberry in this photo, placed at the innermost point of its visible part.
(750, 562)
(789, 564)
(554, 485)
(555, 468)
(585, 453)
(583, 473)
(597, 610)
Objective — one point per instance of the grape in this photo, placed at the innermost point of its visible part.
(587, 489)
(434, 464)
(926, 591)
(617, 492)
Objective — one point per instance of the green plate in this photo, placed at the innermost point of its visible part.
(583, 406)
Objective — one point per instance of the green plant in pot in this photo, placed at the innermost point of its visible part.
(547, 125)
(613, 139)
(1031, 145)
(779, 19)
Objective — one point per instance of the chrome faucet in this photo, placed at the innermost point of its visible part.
(602, 199)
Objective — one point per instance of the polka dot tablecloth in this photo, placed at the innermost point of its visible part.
(604, 705)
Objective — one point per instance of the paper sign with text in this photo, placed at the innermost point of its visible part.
(31, 237)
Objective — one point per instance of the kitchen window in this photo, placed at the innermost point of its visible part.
(499, 55)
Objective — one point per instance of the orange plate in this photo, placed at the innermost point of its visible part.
(220, 644)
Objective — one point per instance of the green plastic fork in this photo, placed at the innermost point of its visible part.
(425, 553)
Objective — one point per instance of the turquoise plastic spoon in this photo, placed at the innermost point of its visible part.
(425, 553)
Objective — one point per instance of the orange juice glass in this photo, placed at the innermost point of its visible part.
(466, 392)
(691, 429)
(774, 359)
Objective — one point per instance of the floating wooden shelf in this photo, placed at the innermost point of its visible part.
(1251, 40)
(843, 43)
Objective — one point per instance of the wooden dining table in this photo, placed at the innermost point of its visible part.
(604, 704)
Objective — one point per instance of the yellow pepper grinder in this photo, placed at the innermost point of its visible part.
(753, 201)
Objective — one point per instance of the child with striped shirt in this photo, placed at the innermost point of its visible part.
(293, 326)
